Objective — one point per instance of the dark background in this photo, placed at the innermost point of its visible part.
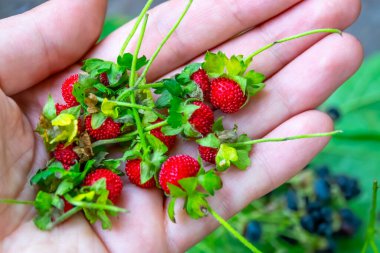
(366, 28)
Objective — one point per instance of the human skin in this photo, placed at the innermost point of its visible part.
(42, 47)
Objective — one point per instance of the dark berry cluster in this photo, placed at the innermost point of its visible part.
(314, 203)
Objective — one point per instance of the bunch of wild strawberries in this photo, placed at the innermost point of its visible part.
(102, 110)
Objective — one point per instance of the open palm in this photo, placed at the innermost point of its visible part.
(46, 44)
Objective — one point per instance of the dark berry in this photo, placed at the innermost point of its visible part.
(334, 113)
(349, 186)
(322, 172)
(322, 189)
(350, 223)
(292, 199)
(253, 231)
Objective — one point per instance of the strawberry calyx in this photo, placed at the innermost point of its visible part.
(235, 68)
(195, 191)
(226, 154)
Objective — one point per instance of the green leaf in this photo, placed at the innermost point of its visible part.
(210, 181)
(126, 61)
(190, 132)
(175, 118)
(243, 82)
(214, 63)
(67, 128)
(95, 67)
(147, 172)
(185, 76)
(65, 187)
(83, 87)
(49, 110)
(225, 156)
(75, 111)
(169, 131)
(164, 100)
(171, 211)
(104, 89)
(235, 65)
(243, 161)
(175, 191)
(97, 119)
(156, 144)
(110, 109)
(209, 141)
(196, 205)
(218, 125)
(189, 184)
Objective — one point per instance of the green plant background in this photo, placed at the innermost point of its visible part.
(356, 152)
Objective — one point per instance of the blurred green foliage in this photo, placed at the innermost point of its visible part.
(356, 152)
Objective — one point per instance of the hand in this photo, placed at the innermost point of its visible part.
(48, 42)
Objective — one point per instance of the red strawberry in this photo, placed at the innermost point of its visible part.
(104, 79)
(59, 108)
(67, 90)
(176, 168)
(202, 119)
(65, 155)
(169, 141)
(201, 79)
(66, 206)
(227, 95)
(113, 182)
(133, 171)
(208, 154)
(108, 130)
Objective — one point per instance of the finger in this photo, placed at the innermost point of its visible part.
(272, 165)
(45, 40)
(305, 16)
(207, 24)
(144, 215)
(302, 85)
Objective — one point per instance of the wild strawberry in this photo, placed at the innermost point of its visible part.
(176, 168)
(202, 119)
(65, 155)
(108, 130)
(201, 79)
(133, 171)
(113, 182)
(227, 95)
(59, 108)
(104, 79)
(207, 154)
(67, 90)
(169, 141)
(66, 206)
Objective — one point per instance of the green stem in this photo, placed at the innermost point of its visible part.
(235, 233)
(125, 104)
(251, 56)
(124, 138)
(138, 87)
(64, 217)
(132, 79)
(127, 137)
(136, 25)
(157, 125)
(94, 205)
(163, 42)
(296, 137)
(371, 230)
(17, 202)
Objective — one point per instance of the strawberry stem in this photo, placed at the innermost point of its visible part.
(296, 137)
(125, 104)
(371, 230)
(235, 233)
(129, 136)
(138, 87)
(16, 202)
(136, 25)
(163, 42)
(251, 56)
(132, 83)
(88, 205)
(63, 217)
